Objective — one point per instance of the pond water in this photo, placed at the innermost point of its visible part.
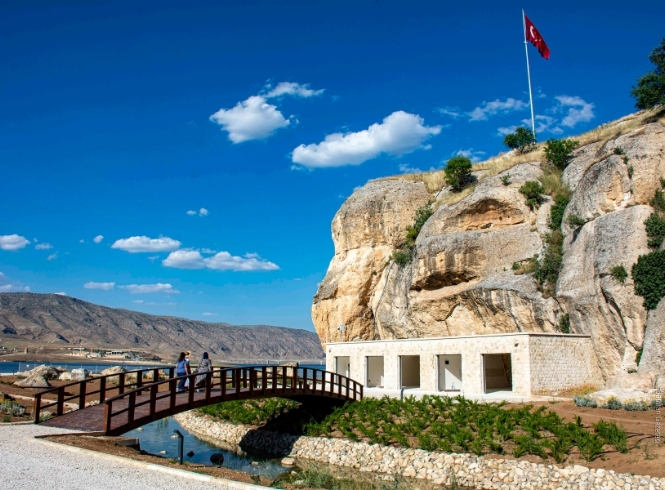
(156, 437)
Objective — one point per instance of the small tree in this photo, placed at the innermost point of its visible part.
(458, 172)
(521, 140)
(650, 89)
(560, 152)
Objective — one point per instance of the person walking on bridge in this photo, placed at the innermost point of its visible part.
(205, 365)
(182, 369)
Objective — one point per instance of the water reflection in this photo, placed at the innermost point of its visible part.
(156, 437)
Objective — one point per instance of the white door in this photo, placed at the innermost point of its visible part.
(450, 372)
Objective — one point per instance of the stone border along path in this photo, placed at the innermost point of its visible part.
(469, 470)
(29, 463)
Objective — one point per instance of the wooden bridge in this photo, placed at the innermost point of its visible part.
(121, 402)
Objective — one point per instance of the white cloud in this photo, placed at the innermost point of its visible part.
(99, 285)
(150, 288)
(497, 106)
(152, 303)
(207, 313)
(191, 212)
(406, 169)
(291, 88)
(192, 259)
(61, 293)
(146, 244)
(6, 285)
(449, 111)
(138, 301)
(251, 119)
(52, 256)
(98, 239)
(43, 246)
(13, 242)
(578, 110)
(81, 240)
(203, 212)
(208, 251)
(399, 133)
(503, 131)
(474, 156)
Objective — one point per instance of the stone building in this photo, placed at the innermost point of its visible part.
(517, 364)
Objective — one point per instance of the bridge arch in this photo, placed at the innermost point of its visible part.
(152, 401)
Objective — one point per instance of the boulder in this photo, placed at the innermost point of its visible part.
(288, 462)
(653, 353)
(48, 372)
(33, 381)
(80, 374)
(66, 376)
(623, 395)
(217, 459)
(113, 370)
(635, 381)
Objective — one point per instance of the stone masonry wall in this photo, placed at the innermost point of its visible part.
(562, 363)
(555, 355)
(440, 468)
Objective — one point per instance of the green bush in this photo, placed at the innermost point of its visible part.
(564, 323)
(250, 412)
(649, 276)
(549, 266)
(619, 273)
(458, 172)
(631, 171)
(576, 221)
(522, 140)
(658, 201)
(619, 151)
(404, 255)
(533, 191)
(638, 356)
(650, 89)
(560, 152)
(557, 211)
(655, 226)
(505, 179)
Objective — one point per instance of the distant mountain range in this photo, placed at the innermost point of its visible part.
(55, 319)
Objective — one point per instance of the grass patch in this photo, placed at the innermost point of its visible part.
(250, 412)
(619, 273)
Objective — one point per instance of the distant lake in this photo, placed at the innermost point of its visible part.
(11, 367)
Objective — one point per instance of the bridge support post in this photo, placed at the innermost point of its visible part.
(181, 441)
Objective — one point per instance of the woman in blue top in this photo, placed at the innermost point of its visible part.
(182, 369)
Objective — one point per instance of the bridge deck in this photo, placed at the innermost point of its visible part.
(157, 400)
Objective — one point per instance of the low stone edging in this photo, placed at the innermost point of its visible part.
(469, 470)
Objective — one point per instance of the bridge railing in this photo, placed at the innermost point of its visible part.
(222, 385)
(128, 380)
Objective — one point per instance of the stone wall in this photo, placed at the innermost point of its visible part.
(562, 363)
(559, 362)
(440, 468)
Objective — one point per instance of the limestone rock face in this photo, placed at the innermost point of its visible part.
(463, 278)
(598, 304)
(48, 372)
(653, 355)
(366, 230)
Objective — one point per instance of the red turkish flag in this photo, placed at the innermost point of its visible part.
(534, 37)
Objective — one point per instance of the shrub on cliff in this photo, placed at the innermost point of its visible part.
(523, 140)
(405, 254)
(533, 191)
(458, 173)
(649, 276)
(560, 152)
(650, 89)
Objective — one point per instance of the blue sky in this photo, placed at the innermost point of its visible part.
(187, 158)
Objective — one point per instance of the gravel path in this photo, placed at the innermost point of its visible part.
(28, 464)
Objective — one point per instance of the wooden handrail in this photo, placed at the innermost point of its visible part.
(245, 382)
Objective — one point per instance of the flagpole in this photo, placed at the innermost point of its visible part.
(528, 73)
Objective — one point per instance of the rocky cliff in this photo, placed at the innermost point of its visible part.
(462, 280)
(66, 321)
